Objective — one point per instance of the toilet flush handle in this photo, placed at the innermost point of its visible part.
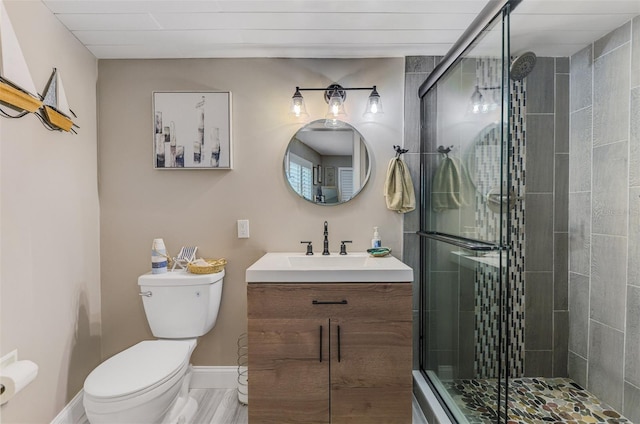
(147, 294)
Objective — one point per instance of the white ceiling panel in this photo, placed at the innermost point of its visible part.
(313, 21)
(315, 28)
(265, 6)
(345, 51)
(256, 37)
(579, 7)
(109, 21)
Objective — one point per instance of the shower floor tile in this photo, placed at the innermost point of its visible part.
(532, 400)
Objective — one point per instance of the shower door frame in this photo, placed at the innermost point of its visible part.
(491, 12)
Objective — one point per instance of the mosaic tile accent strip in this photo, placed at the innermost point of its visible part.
(487, 164)
(487, 167)
(531, 400)
(517, 236)
(487, 315)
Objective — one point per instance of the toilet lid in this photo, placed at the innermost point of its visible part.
(137, 368)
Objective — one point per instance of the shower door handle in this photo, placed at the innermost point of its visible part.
(456, 240)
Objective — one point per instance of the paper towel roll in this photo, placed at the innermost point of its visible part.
(15, 377)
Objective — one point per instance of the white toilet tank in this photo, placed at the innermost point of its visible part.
(179, 304)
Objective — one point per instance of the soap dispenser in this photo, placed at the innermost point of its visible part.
(375, 241)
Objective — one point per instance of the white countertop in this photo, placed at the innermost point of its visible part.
(355, 267)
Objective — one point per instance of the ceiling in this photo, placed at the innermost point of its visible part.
(328, 142)
(320, 29)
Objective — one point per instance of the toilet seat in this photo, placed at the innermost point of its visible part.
(138, 370)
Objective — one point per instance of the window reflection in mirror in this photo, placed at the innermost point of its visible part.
(327, 166)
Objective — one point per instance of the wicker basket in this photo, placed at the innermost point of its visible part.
(215, 265)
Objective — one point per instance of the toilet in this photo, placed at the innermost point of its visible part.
(149, 382)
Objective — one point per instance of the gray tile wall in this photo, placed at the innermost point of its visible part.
(604, 219)
(547, 219)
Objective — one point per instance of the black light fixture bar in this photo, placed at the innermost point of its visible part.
(334, 96)
(338, 87)
(333, 88)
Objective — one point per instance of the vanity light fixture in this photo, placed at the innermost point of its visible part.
(478, 102)
(374, 105)
(335, 96)
(298, 107)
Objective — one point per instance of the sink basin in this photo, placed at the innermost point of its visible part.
(283, 267)
(321, 262)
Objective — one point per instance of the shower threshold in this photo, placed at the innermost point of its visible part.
(531, 400)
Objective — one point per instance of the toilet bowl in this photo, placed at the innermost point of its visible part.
(148, 383)
(140, 384)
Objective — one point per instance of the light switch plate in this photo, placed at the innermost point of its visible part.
(243, 228)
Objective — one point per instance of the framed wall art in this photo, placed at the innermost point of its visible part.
(330, 176)
(317, 175)
(192, 130)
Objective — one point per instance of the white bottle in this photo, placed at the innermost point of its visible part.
(375, 241)
(158, 257)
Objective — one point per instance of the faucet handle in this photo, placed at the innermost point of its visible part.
(343, 247)
(309, 247)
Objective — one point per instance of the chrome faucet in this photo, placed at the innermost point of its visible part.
(325, 251)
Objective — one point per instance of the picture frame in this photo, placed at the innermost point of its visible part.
(317, 175)
(192, 130)
(329, 176)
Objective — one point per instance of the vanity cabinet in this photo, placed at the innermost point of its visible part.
(330, 353)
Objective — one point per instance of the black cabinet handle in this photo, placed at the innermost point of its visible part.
(322, 302)
(339, 355)
(320, 343)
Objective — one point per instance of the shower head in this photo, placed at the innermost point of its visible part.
(522, 65)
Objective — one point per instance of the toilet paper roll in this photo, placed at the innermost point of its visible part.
(15, 377)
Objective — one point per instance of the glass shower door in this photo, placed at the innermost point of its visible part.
(465, 231)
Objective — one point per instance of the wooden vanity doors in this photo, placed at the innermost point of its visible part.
(330, 353)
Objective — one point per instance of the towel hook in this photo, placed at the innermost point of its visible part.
(399, 150)
(445, 150)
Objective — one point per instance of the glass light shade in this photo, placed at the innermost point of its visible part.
(298, 108)
(334, 123)
(477, 102)
(336, 106)
(374, 103)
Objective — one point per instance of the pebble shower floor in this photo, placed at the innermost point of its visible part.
(532, 400)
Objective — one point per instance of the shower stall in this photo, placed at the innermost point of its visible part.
(465, 226)
(479, 240)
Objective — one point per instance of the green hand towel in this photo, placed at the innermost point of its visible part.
(448, 191)
(398, 187)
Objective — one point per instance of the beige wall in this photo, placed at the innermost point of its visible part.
(50, 294)
(200, 207)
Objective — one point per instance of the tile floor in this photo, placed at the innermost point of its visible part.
(221, 406)
(532, 400)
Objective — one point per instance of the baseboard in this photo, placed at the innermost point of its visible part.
(72, 413)
(214, 377)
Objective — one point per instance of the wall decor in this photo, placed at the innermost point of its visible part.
(192, 130)
(330, 176)
(317, 175)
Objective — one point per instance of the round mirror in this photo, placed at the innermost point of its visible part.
(327, 165)
(482, 159)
